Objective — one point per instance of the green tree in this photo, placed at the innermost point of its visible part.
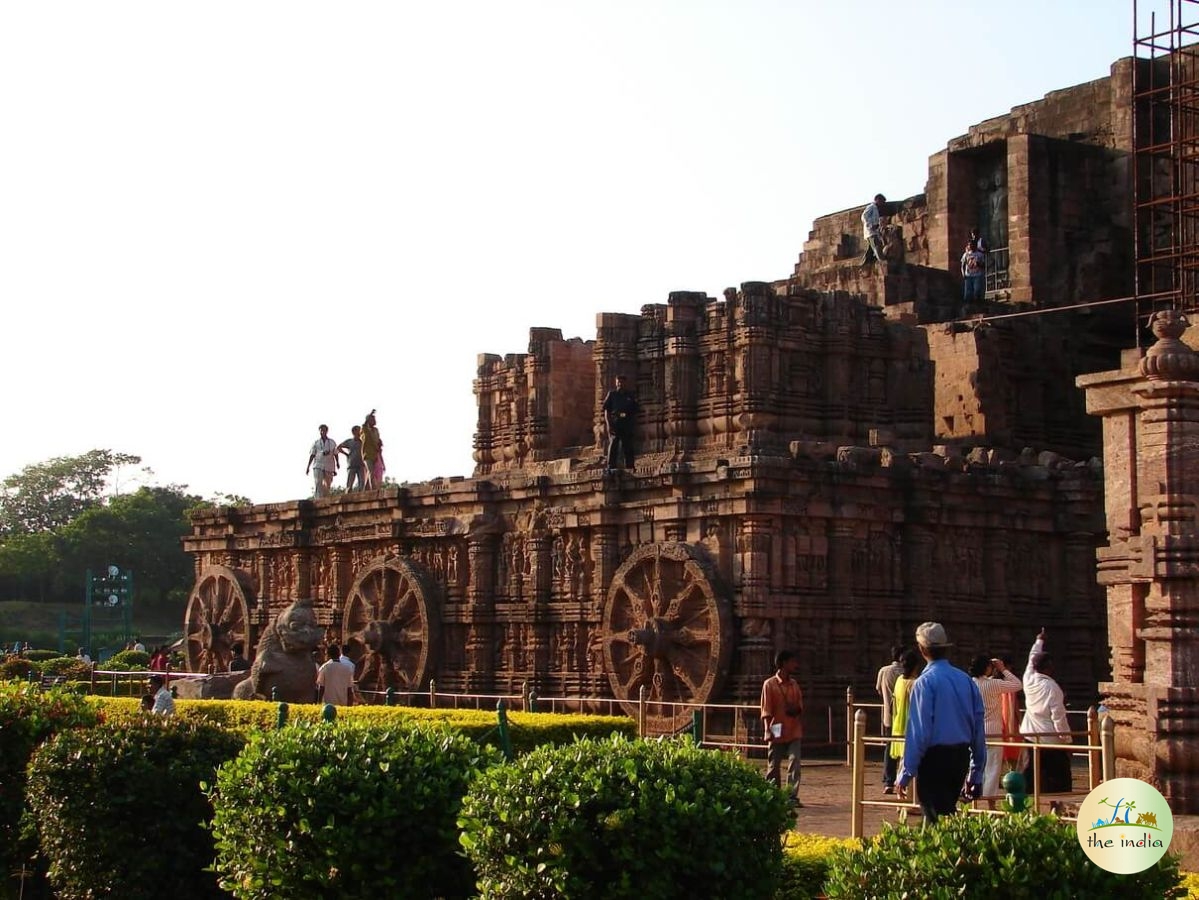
(48, 495)
(28, 562)
(139, 531)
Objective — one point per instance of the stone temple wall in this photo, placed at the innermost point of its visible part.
(788, 494)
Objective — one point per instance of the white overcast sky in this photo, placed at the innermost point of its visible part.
(222, 224)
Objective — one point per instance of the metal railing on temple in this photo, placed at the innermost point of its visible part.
(998, 262)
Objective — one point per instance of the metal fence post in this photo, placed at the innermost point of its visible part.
(641, 711)
(281, 718)
(501, 712)
(329, 712)
(524, 696)
(849, 725)
(1094, 758)
(432, 694)
(1107, 740)
(697, 727)
(857, 773)
(389, 699)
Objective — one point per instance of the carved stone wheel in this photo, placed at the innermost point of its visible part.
(667, 627)
(217, 619)
(391, 624)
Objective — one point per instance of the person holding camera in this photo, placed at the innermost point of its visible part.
(782, 713)
(322, 463)
(994, 679)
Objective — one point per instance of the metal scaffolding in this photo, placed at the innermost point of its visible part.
(1165, 141)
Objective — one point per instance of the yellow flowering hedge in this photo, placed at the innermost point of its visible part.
(526, 730)
(805, 863)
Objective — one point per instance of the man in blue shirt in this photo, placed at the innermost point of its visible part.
(946, 733)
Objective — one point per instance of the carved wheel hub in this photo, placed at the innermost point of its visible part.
(667, 628)
(217, 619)
(391, 625)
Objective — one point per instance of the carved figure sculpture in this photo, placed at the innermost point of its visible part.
(283, 660)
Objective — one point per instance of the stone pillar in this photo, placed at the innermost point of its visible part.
(1150, 568)
(538, 546)
(606, 559)
(480, 604)
(682, 369)
(759, 634)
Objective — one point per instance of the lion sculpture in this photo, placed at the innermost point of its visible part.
(283, 661)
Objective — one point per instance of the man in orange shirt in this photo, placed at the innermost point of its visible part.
(782, 712)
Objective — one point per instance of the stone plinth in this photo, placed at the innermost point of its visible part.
(1150, 568)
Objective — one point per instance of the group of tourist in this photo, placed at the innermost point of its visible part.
(363, 451)
(942, 718)
(973, 262)
(945, 717)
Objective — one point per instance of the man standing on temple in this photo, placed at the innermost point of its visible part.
(322, 463)
(872, 230)
(620, 411)
(352, 448)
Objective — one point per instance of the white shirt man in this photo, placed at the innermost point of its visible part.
(322, 462)
(335, 682)
(872, 230)
(164, 703)
(1044, 703)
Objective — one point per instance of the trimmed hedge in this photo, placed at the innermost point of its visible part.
(127, 661)
(42, 655)
(806, 864)
(1016, 857)
(526, 730)
(617, 818)
(67, 666)
(28, 716)
(15, 668)
(146, 779)
(345, 810)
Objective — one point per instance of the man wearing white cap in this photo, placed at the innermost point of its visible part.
(946, 734)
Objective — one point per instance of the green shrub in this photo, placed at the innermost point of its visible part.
(127, 661)
(28, 716)
(41, 655)
(67, 667)
(146, 778)
(1016, 857)
(806, 864)
(620, 818)
(16, 669)
(345, 810)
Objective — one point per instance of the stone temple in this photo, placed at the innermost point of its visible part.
(823, 462)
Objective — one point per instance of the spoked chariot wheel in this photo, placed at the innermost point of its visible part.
(391, 625)
(668, 628)
(217, 619)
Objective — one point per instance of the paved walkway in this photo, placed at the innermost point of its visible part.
(824, 788)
